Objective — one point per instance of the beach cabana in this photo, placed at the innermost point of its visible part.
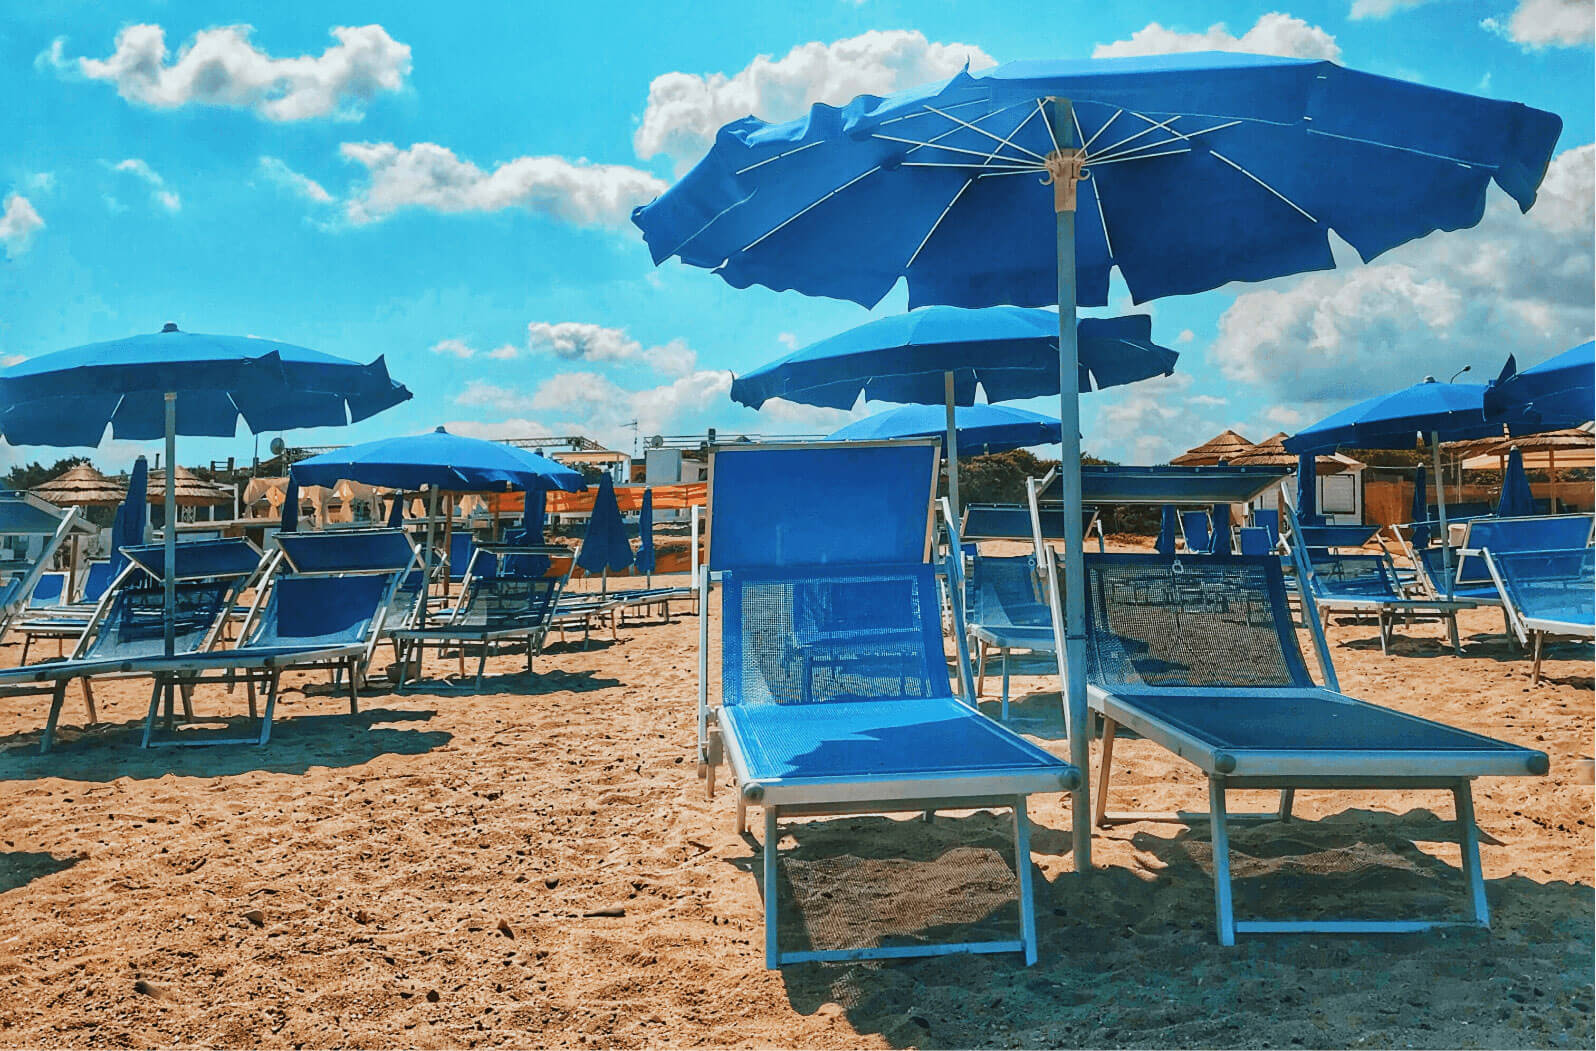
(1221, 447)
(81, 486)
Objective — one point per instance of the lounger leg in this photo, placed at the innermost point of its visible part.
(1223, 915)
(1451, 627)
(354, 688)
(249, 686)
(187, 690)
(980, 670)
(88, 701)
(27, 640)
(167, 692)
(1384, 619)
(1287, 797)
(1022, 867)
(772, 895)
(1469, 841)
(482, 662)
(742, 813)
(1100, 800)
(271, 706)
(57, 699)
(155, 713)
(1005, 684)
(1535, 668)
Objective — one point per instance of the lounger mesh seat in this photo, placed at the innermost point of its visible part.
(1367, 583)
(1223, 685)
(1546, 593)
(835, 690)
(1006, 613)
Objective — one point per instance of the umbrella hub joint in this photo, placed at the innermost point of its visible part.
(1063, 172)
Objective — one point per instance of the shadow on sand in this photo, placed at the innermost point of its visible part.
(519, 683)
(23, 867)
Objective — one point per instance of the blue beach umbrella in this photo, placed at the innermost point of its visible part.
(1517, 500)
(1554, 395)
(1187, 172)
(1420, 512)
(441, 462)
(645, 533)
(290, 522)
(1168, 524)
(605, 546)
(171, 382)
(1307, 490)
(980, 428)
(534, 512)
(396, 511)
(127, 529)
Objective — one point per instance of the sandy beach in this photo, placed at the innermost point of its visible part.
(536, 865)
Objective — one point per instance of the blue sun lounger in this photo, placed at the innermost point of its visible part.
(1546, 593)
(1364, 582)
(835, 697)
(22, 515)
(127, 628)
(321, 607)
(1228, 690)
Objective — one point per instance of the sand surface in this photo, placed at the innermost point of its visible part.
(536, 865)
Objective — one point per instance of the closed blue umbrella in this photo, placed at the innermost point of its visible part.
(1307, 490)
(170, 383)
(1517, 500)
(127, 529)
(605, 546)
(1554, 395)
(1168, 524)
(645, 533)
(290, 521)
(1188, 171)
(1420, 511)
(396, 511)
(534, 510)
(981, 428)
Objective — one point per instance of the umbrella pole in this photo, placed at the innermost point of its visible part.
(169, 536)
(1551, 478)
(953, 446)
(426, 556)
(1440, 503)
(1064, 167)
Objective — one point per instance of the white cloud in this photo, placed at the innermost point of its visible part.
(1208, 400)
(18, 223)
(41, 182)
(806, 419)
(430, 176)
(159, 194)
(274, 169)
(1285, 416)
(8, 360)
(788, 340)
(598, 344)
(458, 348)
(504, 352)
(1273, 34)
(1537, 24)
(1186, 336)
(1381, 8)
(221, 67)
(592, 404)
(1429, 307)
(685, 110)
(516, 427)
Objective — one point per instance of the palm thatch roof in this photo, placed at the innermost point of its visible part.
(1559, 440)
(192, 491)
(1271, 452)
(1221, 447)
(82, 486)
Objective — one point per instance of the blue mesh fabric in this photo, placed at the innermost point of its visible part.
(317, 611)
(1006, 594)
(459, 555)
(1155, 621)
(1502, 535)
(832, 636)
(1336, 535)
(1013, 521)
(134, 623)
(1255, 541)
(504, 603)
(1551, 585)
(232, 557)
(1352, 576)
(347, 551)
(96, 580)
(1435, 570)
(18, 517)
(49, 590)
(1194, 526)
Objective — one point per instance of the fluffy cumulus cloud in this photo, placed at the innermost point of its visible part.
(1381, 8)
(585, 402)
(1520, 282)
(1273, 34)
(18, 222)
(278, 172)
(430, 176)
(599, 344)
(160, 195)
(1537, 24)
(222, 67)
(685, 110)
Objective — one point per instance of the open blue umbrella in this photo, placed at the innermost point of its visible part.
(937, 355)
(127, 529)
(1188, 171)
(170, 383)
(441, 462)
(605, 545)
(981, 428)
(1554, 395)
(1517, 500)
(645, 533)
(1420, 512)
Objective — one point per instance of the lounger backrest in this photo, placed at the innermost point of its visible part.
(1502, 535)
(49, 590)
(833, 634)
(1194, 527)
(1204, 622)
(1255, 541)
(1548, 586)
(1013, 521)
(1337, 575)
(347, 551)
(96, 579)
(198, 559)
(460, 548)
(1005, 593)
(318, 609)
(509, 586)
(133, 623)
(1333, 536)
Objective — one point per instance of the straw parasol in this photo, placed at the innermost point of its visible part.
(192, 491)
(82, 486)
(1271, 452)
(1220, 448)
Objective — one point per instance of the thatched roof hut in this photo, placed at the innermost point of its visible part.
(82, 486)
(1271, 452)
(192, 490)
(1220, 448)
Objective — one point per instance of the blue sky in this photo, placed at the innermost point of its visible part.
(447, 185)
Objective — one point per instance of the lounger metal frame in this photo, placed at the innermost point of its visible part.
(1385, 609)
(1530, 631)
(70, 520)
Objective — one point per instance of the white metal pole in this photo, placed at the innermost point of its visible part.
(169, 537)
(1440, 503)
(953, 445)
(1064, 165)
(426, 557)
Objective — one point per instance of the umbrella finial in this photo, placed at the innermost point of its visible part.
(439, 430)
(170, 326)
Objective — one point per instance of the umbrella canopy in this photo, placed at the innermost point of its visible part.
(1420, 511)
(191, 490)
(1216, 450)
(127, 530)
(1012, 352)
(981, 428)
(1555, 393)
(1517, 500)
(82, 486)
(645, 533)
(1396, 420)
(605, 546)
(1185, 171)
(450, 462)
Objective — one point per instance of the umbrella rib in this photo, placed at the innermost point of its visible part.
(1265, 185)
(807, 209)
(1138, 157)
(1403, 149)
(948, 208)
(917, 144)
(988, 134)
(1097, 198)
(1049, 126)
(1001, 169)
(1152, 126)
(1087, 144)
(779, 156)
